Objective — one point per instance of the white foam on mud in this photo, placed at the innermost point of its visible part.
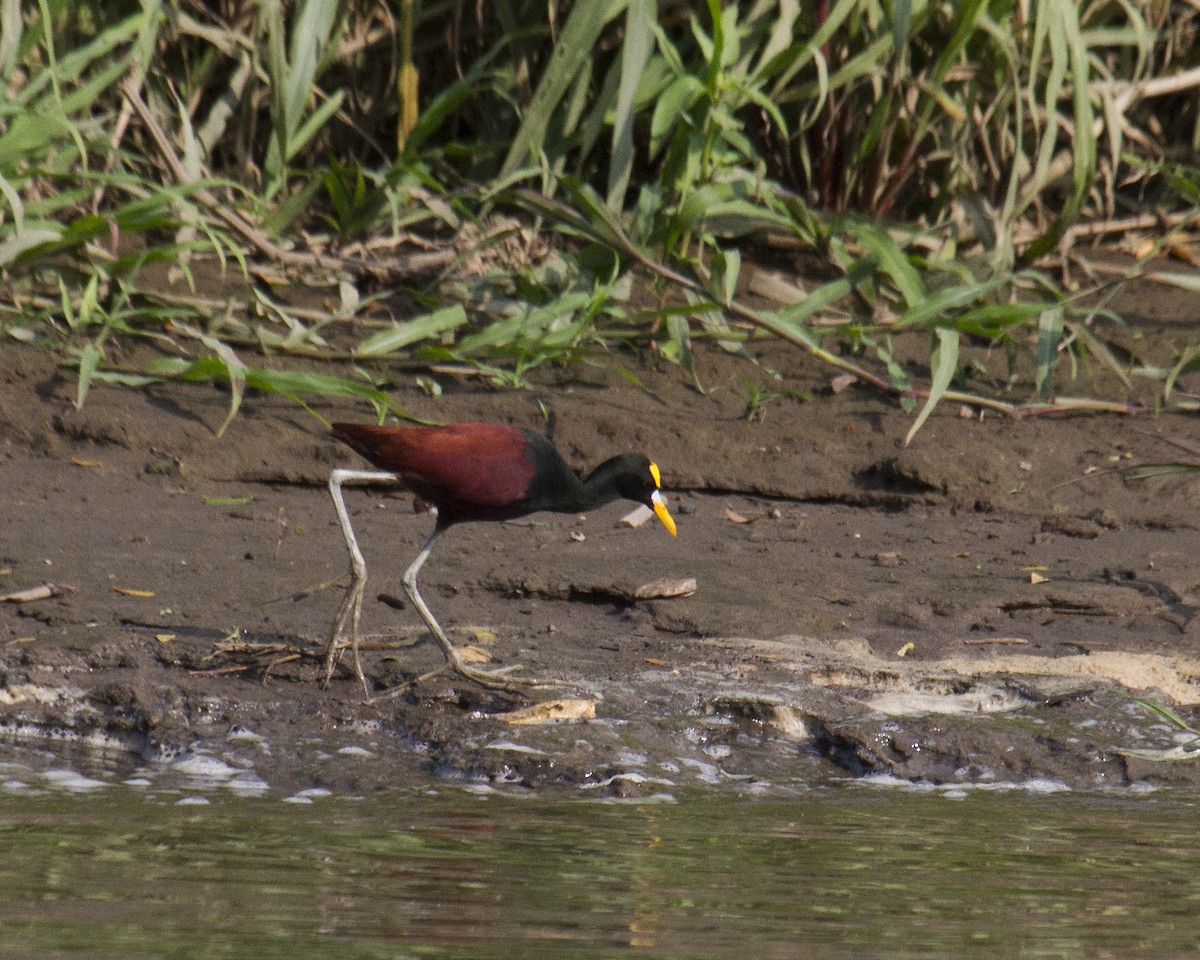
(12, 694)
(641, 801)
(93, 739)
(71, 781)
(628, 778)
(362, 752)
(708, 773)
(198, 766)
(242, 735)
(979, 700)
(485, 789)
(307, 796)
(1036, 785)
(248, 785)
(514, 747)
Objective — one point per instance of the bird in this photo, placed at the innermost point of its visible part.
(473, 472)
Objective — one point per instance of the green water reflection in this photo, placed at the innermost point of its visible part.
(845, 873)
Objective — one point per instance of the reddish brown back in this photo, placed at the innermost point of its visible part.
(455, 467)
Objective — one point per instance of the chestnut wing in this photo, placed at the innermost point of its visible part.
(452, 466)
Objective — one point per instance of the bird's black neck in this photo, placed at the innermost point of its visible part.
(558, 489)
(602, 485)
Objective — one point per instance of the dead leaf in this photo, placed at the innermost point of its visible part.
(164, 637)
(552, 711)
(775, 286)
(666, 588)
(577, 536)
(842, 381)
(130, 592)
(483, 635)
(1036, 578)
(1182, 251)
(989, 641)
(95, 464)
(734, 517)
(474, 654)
(905, 650)
(654, 661)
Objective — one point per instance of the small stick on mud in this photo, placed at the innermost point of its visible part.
(41, 592)
(220, 671)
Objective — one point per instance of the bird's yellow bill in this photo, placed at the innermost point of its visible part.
(660, 508)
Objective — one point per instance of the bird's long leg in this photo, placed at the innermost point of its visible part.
(493, 679)
(351, 605)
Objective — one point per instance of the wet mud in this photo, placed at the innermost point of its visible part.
(981, 606)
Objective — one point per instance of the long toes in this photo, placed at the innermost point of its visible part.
(497, 679)
(500, 678)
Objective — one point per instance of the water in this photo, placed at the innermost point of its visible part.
(854, 871)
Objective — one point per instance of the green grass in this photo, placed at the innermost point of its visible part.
(548, 182)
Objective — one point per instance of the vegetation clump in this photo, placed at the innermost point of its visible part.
(436, 186)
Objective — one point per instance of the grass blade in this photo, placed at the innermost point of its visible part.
(1050, 332)
(1189, 359)
(575, 48)
(89, 360)
(944, 364)
(640, 19)
(401, 335)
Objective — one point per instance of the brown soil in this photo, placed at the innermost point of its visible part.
(861, 607)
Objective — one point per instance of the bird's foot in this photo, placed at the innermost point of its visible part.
(349, 612)
(333, 656)
(499, 679)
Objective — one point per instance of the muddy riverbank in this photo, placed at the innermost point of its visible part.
(979, 606)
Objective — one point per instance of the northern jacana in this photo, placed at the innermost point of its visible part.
(474, 471)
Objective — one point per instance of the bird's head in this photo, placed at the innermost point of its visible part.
(637, 478)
